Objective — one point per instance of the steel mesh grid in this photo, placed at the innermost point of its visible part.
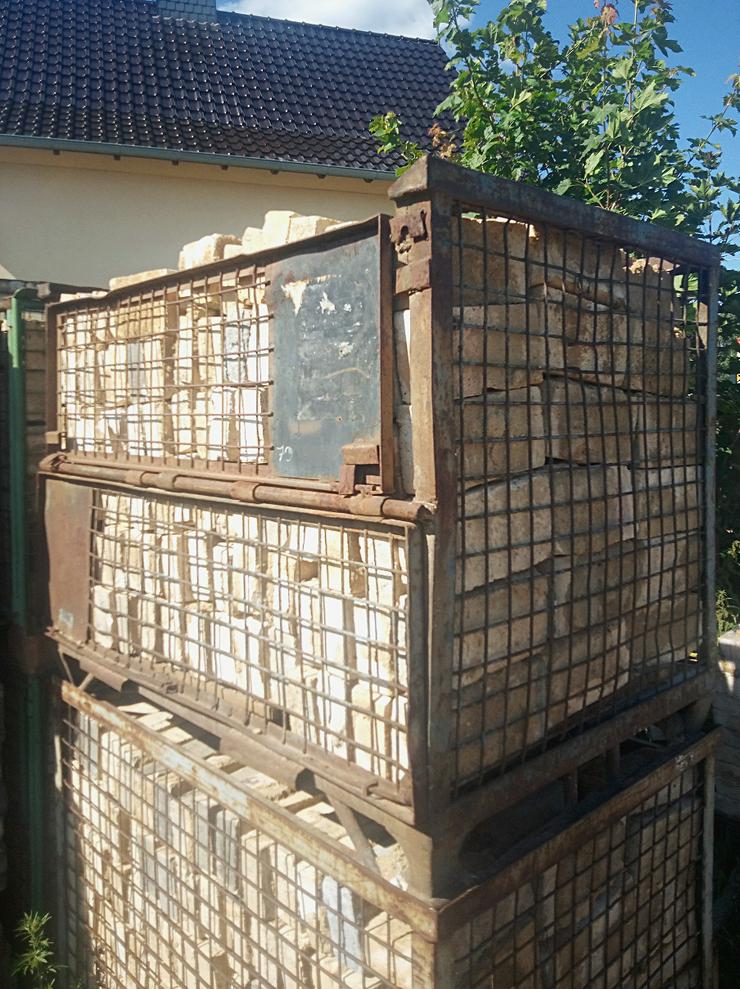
(172, 375)
(623, 909)
(164, 887)
(297, 622)
(579, 396)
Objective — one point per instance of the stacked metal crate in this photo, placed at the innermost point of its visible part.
(415, 517)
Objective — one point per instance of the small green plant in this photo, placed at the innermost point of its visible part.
(35, 965)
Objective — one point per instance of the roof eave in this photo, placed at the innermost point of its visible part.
(195, 157)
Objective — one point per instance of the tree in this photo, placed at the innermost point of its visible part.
(594, 118)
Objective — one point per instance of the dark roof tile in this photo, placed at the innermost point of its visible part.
(117, 72)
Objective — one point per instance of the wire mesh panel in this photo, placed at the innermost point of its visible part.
(579, 394)
(624, 908)
(165, 886)
(296, 622)
(268, 365)
(176, 375)
(179, 867)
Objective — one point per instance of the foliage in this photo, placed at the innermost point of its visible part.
(594, 118)
(35, 964)
(36, 961)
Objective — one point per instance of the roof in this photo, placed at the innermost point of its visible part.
(118, 73)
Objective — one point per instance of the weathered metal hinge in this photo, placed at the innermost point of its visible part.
(360, 459)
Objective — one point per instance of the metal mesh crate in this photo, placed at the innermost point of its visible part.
(22, 426)
(552, 373)
(178, 867)
(565, 361)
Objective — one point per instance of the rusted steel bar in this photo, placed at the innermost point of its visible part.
(245, 491)
(433, 175)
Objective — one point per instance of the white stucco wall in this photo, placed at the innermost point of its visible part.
(81, 218)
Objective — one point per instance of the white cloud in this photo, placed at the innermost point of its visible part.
(409, 17)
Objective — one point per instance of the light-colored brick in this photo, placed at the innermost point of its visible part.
(593, 507)
(205, 251)
(667, 500)
(508, 524)
(586, 668)
(666, 432)
(502, 347)
(586, 424)
(503, 619)
(591, 589)
(501, 714)
(126, 281)
(502, 433)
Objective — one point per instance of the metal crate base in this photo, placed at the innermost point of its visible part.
(179, 867)
(434, 850)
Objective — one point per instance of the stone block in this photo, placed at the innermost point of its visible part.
(661, 364)
(586, 668)
(586, 424)
(666, 432)
(603, 363)
(650, 283)
(205, 251)
(500, 258)
(144, 429)
(504, 527)
(379, 638)
(126, 281)
(501, 347)
(489, 260)
(379, 728)
(592, 589)
(501, 714)
(284, 227)
(389, 950)
(667, 632)
(503, 619)
(189, 414)
(667, 500)
(592, 507)
(502, 434)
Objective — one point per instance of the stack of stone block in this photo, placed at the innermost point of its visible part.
(578, 567)
(172, 867)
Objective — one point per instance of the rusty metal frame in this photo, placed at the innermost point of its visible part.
(382, 481)
(425, 196)
(432, 174)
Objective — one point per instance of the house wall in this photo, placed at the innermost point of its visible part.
(82, 218)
